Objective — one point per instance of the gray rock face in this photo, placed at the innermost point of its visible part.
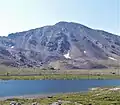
(77, 45)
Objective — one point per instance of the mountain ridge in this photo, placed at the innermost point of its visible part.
(63, 22)
(70, 45)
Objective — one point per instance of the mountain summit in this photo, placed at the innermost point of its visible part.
(63, 45)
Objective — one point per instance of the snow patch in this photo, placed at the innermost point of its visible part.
(12, 46)
(67, 55)
(85, 52)
(112, 58)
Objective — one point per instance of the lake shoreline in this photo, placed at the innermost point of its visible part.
(95, 96)
(35, 96)
(50, 95)
(61, 77)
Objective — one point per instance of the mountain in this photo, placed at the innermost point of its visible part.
(65, 45)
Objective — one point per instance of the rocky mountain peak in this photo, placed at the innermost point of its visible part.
(73, 44)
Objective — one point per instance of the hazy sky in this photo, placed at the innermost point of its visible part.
(20, 15)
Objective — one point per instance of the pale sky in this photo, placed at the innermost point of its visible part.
(21, 15)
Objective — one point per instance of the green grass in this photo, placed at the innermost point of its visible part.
(6, 72)
(60, 76)
(97, 97)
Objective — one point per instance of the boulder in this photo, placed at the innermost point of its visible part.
(12, 103)
(35, 103)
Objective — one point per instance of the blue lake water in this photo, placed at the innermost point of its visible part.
(31, 87)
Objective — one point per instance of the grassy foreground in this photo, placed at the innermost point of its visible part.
(99, 96)
(60, 77)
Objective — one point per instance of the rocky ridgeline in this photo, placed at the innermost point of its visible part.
(63, 45)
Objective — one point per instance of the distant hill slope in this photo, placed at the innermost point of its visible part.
(64, 45)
